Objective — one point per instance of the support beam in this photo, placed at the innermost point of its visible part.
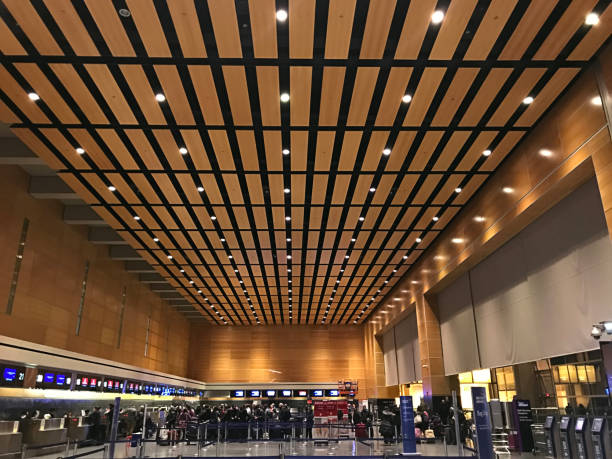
(140, 267)
(82, 215)
(105, 236)
(178, 302)
(124, 253)
(51, 187)
(162, 287)
(171, 295)
(150, 278)
(14, 152)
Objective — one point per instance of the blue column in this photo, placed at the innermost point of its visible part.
(482, 420)
(407, 418)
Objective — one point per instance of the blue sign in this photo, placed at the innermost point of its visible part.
(49, 377)
(483, 423)
(9, 374)
(407, 418)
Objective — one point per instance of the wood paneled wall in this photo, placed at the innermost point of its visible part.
(277, 353)
(49, 289)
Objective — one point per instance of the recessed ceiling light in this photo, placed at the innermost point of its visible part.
(136, 217)
(591, 19)
(342, 270)
(507, 190)
(285, 151)
(486, 153)
(414, 282)
(387, 151)
(124, 12)
(287, 190)
(235, 270)
(288, 239)
(418, 239)
(405, 257)
(289, 270)
(222, 239)
(183, 151)
(479, 219)
(458, 190)
(546, 153)
(182, 270)
(157, 240)
(407, 98)
(287, 218)
(111, 188)
(284, 97)
(337, 282)
(372, 190)
(439, 257)
(33, 96)
(169, 257)
(281, 15)
(596, 101)
(353, 240)
(80, 150)
(435, 219)
(437, 17)
(457, 240)
(527, 100)
(230, 256)
(361, 219)
(346, 257)
(288, 257)
(200, 292)
(212, 217)
(395, 270)
(160, 97)
(191, 282)
(201, 189)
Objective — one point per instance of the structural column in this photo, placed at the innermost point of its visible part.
(435, 383)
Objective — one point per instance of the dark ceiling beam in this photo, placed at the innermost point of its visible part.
(14, 152)
(51, 187)
(82, 215)
(162, 287)
(151, 278)
(138, 267)
(124, 253)
(105, 236)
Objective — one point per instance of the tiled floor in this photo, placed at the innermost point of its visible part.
(272, 448)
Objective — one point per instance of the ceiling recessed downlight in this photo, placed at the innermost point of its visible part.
(160, 97)
(80, 150)
(407, 98)
(486, 153)
(387, 151)
(284, 97)
(437, 17)
(183, 151)
(281, 15)
(33, 96)
(527, 100)
(591, 19)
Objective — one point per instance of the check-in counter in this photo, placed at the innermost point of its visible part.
(37, 433)
(77, 428)
(10, 440)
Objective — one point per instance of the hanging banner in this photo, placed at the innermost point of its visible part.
(483, 423)
(407, 418)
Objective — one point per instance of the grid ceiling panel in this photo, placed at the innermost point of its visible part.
(236, 246)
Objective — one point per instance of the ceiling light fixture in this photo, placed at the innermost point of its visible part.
(200, 189)
(407, 98)
(112, 188)
(288, 239)
(458, 190)
(527, 100)
(437, 17)
(157, 240)
(80, 150)
(183, 151)
(387, 151)
(596, 101)
(418, 239)
(212, 217)
(160, 97)
(546, 153)
(287, 190)
(361, 219)
(457, 240)
(136, 217)
(479, 219)
(287, 219)
(486, 153)
(169, 257)
(285, 151)
(33, 96)
(284, 97)
(281, 15)
(591, 19)
(507, 190)
(436, 218)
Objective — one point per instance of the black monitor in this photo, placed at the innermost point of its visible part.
(285, 393)
(237, 394)
(270, 393)
(332, 392)
(254, 393)
(316, 393)
(302, 393)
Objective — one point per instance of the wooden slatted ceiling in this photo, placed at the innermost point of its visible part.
(222, 66)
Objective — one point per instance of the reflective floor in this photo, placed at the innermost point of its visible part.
(272, 448)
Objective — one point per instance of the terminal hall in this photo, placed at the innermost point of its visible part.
(236, 228)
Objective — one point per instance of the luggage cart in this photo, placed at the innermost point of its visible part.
(538, 433)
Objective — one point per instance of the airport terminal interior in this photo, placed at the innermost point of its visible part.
(374, 228)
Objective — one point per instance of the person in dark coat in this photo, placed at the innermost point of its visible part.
(386, 428)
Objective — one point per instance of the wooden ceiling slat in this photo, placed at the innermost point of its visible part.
(31, 23)
(299, 150)
(167, 188)
(248, 150)
(143, 185)
(482, 143)
(298, 187)
(392, 97)
(325, 145)
(427, 147)
(9, 45)
(108, 21)
(363, 90)
(495, 19)
(526, 30)
(225, 26)
(6, 115)
(376, 30)
(269, 95)
(174, 92)
(20, 97)
(65, 148)
(277, 195)
(404, 190)
(448, 189)
(515, 96)
(123, 188)
(149, 28)
(361, 189)
(425, 92)
(331, 93)
(144, 149)
(455, 21)
(170, 149)
(448, 154)
(300, 81)
(75, 184)
(237, 92)
(378, 142)
(594, 37)
(570, 22)
(503, 149)
(113, 96)
(273, 146)
(255, 189)
(222, 150)
(301, 28)
(348, 154)
(71, 26)
(189, 188)
(547, 96)
(187, 26)
(485, 95)
(454, 96)
(92, 148)
(211, 189)
(319, 189)
(140, 87)
(204, 86)
(233, 188)
(195, 149)
(418, 20)
(263, 27)
(430, 183)
(339, 26)
(383, 189)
